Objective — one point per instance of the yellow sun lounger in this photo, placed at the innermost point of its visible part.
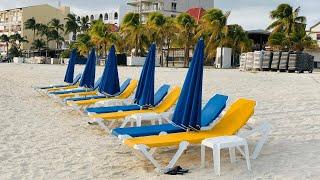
(126, 94)
(63, 88)
(69, 95)
(230, 123)
(167, 103)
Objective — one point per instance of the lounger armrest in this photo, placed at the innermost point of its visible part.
(113, 102)
(124, 137)
(167, 115)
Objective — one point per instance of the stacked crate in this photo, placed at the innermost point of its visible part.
(266, 60)
(243, 59)
(275, 60)
(283, 65)
(300, 62)
(249, 61)
(257, 60)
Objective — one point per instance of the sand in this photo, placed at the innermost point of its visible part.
(40, 139)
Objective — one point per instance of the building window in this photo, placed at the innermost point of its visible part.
(155, 6)
(318, 36)
(115, 16)
(174, 6)
(91, 17)
(101, 16)
(106, 17)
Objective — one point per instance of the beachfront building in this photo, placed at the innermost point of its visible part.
(12, 21)
(108, 16)
(314, 33)
(167, 7)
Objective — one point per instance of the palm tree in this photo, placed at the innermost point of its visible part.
(186, 26)
(45, 30)
(83, 44)
(38, 44)
(237, 39)
(56, 25)
(17, 40)
(32, 25)
(71, 26)
(300, 40)
(84, 24)
(213, 28)
(157, 30)
(169, 34)
(278, 41)
(133, 31)
(287, 19)
(118, 41)
(55, 36)
(5, 39)
(100, 35)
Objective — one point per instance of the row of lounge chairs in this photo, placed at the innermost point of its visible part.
(211, 121)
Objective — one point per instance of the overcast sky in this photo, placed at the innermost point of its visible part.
(251, 14)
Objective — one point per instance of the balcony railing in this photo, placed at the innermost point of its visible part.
(145, 9)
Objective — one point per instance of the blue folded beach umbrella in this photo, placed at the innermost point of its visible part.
(68, 78)
(188, 110)
(145, 90)
(89, 72)
(110, 78)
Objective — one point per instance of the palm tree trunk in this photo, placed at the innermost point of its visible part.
(47, 49)
(7, 47)
(34, 34)
(186, 55)
(136, 44)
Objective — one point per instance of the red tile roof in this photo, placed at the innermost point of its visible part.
(196, 13)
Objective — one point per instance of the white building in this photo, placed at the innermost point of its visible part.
(167, 7)
(109, 16)
(314, 33)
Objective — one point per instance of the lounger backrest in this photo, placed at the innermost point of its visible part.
(97, 83)
(212, 109)
(161, 93)
(124, 85)
(169, 100)
(76, 79)
(129, 90)
(235, 118)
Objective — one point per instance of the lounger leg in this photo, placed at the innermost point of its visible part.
(232, 154)
(182, 147)
(153, 150)
(216, 160)
(125, 122)
(203, 156)
(143, 149)
(265, 131)
(246, 151)
(100, 123)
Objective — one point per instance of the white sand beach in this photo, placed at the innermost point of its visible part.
(41, 139)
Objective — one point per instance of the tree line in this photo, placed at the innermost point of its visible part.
(134, 36)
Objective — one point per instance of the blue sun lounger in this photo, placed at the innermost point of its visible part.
(209, 114)
(158, 96)
(123, 87)
(75, 81)
(78, 90)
